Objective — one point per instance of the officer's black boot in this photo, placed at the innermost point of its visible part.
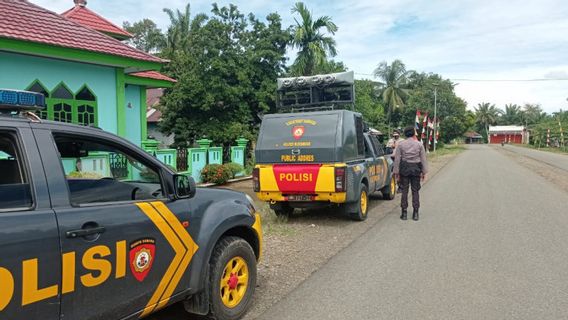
(403, 215)
(415, 215)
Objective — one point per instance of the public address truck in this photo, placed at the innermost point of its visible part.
(318, 153)
(92, 227)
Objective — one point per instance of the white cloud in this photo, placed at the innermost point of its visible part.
(476, 39)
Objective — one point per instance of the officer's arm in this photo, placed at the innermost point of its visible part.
(423, 161)
(396, 166)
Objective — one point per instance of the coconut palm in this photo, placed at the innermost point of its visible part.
(393, 85)
(486, 114)
(310, 38)
(178, 34)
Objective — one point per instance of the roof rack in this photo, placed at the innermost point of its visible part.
(315, 93)
(22, 103)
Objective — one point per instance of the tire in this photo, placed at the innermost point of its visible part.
(389, 191)
(229, 297)
(362, 205)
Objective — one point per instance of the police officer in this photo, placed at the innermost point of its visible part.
(410, 167)
(394, 141)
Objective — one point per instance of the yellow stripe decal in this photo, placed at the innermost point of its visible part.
(188, 243)
(183, 246)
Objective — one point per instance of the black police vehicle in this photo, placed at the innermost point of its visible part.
(316, 153)
(93, 227)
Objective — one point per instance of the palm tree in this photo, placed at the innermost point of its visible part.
(313, 45)
(393, 85)
(181, 25)
(486, 114)
(512, 114)
(532, 113)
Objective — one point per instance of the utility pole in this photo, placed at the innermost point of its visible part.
(435, 113)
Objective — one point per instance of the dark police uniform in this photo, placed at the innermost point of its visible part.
(410, 165)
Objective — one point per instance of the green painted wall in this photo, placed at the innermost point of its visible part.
(132, 114)
(18, 71)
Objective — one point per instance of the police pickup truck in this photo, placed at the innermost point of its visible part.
(92, 227)
(308, 159)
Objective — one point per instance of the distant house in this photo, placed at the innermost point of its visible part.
(472, 137)
(154, 116)
(77, 60)
(508, 134)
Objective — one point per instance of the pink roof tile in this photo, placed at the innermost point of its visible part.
(25, 21)
(88, 18)
(152, 75)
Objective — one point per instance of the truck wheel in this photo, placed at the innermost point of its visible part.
(362, 205)
(232, 278)
(389, 191)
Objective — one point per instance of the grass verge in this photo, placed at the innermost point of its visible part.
(446, 150)
(274, 225)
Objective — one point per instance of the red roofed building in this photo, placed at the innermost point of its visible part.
(77, 60)
(80, 14)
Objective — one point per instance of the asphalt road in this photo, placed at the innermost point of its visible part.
(492, 243)
(554, 159)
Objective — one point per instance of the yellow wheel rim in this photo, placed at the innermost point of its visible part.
(234, 282)
(363, 202)
(393, 185)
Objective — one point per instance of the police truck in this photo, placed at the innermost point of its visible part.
(318, 152)
(92, 227)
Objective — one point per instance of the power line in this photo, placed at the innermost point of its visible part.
(506, 80)
(487, 80)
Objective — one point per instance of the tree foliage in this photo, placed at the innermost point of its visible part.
(393, 85)
(486, 114)
(451, 110)
(368, 102)
(226, 76)
(146, 35)
(314, 44)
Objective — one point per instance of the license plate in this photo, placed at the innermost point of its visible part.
(300, 197)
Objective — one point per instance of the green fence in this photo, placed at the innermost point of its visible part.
(195, 159)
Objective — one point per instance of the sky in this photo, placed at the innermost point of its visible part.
(462, 40)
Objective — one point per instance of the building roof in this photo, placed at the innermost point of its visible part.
(153, 96)
(82, 15)
(152, 75)
(473, 135)
(495, 129)
(24, 21)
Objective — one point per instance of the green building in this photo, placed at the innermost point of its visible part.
(78, 61)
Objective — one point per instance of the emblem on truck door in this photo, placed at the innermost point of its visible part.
(298, 132)
(142, 253)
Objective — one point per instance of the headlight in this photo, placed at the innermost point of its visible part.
(251, 206)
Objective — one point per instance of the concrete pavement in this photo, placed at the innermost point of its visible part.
(491, 244)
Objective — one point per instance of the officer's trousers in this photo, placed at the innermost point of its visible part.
(414, 182)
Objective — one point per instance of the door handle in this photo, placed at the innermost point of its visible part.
(84, 232)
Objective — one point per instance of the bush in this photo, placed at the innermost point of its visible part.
(216, 173)
(83, 175)
(235, 168)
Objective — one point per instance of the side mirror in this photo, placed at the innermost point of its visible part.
(184, 186)
(388, 150)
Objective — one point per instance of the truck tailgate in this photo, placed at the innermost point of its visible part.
(297, 178)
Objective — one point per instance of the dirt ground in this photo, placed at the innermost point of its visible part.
(553, 174)
(294, 249)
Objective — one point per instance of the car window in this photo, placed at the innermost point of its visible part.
(14, 184)
(97, 172)
(379, 150)
(368, 149)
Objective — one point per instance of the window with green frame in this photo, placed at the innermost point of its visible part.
(64, 106)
